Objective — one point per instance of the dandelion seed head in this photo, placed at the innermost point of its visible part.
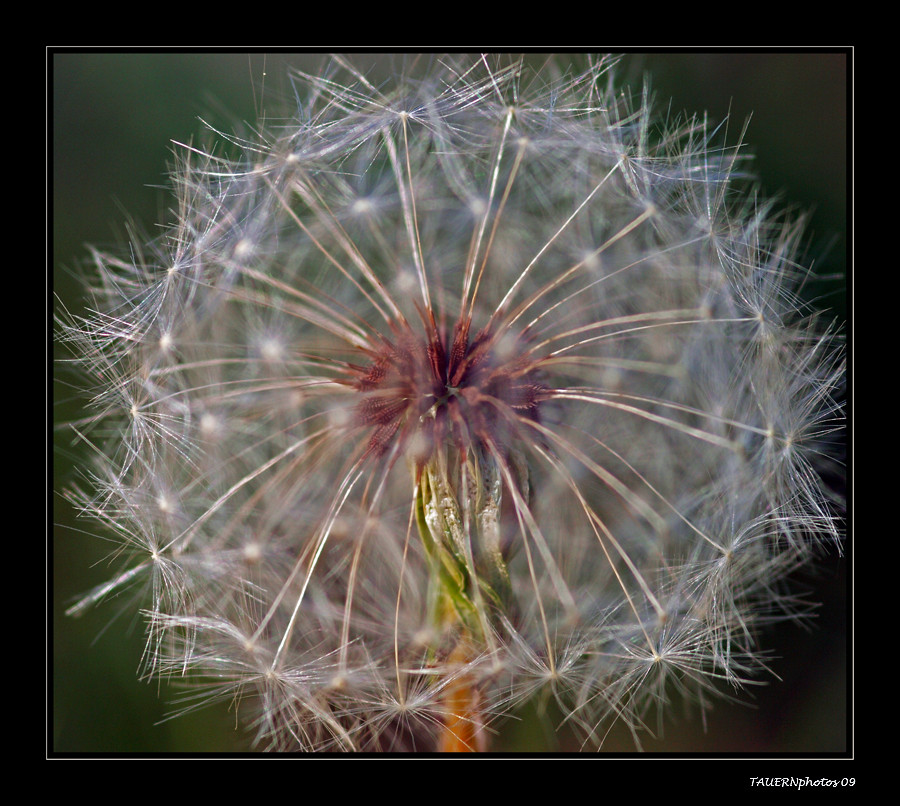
(453, 392)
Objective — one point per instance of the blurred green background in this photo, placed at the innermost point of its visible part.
(113, 117)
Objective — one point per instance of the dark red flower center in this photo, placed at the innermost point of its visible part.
(422, 390)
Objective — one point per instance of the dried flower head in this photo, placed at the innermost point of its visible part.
(452, 392)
